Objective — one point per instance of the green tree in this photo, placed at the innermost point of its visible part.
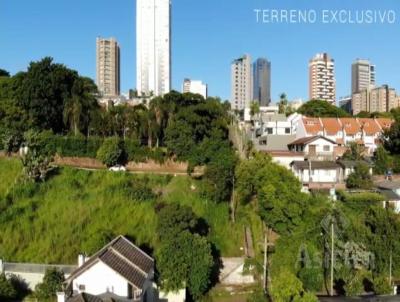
(4, 73)
(112, 152)
(355, 152)
(283, 103)
(391, 140)
(254, 110)
(78, 107)
(383, 161)
(37, 157)
(354, 283)
(185, 261)
(320, 108)
(52, 283)
(286, 288)
(360, 178)
(42, 92)
(382, 286)
(7, 291)
(174, 219)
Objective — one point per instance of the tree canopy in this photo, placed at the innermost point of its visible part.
(320, 108)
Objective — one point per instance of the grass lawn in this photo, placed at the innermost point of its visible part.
(79, 211)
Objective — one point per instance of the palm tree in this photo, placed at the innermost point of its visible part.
(78, 107)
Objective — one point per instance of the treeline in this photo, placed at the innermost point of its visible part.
(52, 99)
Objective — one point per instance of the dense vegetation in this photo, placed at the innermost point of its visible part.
(366, 234)
(101, 205)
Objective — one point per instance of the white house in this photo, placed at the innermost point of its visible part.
(318, 175)
(120, 270)
(314, 147)
(391, 191)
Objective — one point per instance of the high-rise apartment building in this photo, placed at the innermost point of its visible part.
(153, 34)
(322, 83)
(108, 67)
(196, 87)
(262, 81)
(242, 84)
(362, 75)
(379, 99)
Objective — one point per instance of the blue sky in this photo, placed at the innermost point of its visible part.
(207, 35)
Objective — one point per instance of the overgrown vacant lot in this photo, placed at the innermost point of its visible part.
(79, 211)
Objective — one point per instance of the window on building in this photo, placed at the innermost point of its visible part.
(287, 130)
(327, 148)
(270, 130)
(81, 287)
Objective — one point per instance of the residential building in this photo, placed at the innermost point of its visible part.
(153, 43)
(318, 175)
(120, 270)
(242, 83)
(362, 76)
(391, 191)
(196, 87)
(262, 82)
(343, 131)
(315, 147)
(322, 83)
(380, 99)
(108, 67)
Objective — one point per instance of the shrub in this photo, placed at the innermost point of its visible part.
(52, 283)
(112, 152)
(382, 286)
(7, 291)
(360, 178)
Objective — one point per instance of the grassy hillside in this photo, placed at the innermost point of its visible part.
(78, 211)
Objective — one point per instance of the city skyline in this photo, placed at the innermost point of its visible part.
(191, 57)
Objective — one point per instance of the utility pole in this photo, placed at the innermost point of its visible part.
(390, 267)
(332, 254)
(265, 258)
(233, 199)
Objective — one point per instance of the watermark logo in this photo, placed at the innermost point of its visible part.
(311, 16)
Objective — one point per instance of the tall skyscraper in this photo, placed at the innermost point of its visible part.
(242, 83)
(108, 66)
(153, 34)
(196, 87)
(362, 75)
(262, 81)
(322, 85)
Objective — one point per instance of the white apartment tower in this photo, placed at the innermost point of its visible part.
(196, 87)
(362, 76)
(242, 83)
(108, 67)
(322, 85)
(153, 47)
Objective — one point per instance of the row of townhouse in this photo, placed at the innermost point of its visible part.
(311, 147)
(343, 131)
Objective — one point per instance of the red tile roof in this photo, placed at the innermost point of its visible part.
(385, 123)
(369, 125)
(331, 125)
(350, 125)
(312, 125)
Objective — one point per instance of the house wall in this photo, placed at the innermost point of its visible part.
(320, 143)
(285, 161)
(99, 279)
(317, 175)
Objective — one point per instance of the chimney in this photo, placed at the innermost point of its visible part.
(61, 297)
(81, 259)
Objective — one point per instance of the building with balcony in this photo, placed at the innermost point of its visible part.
(108, 67)
(242, 83)
(322, 83)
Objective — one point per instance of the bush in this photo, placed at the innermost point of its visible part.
(52, 283)
(360, 178)
(382, 286)
(7, 291)
(112, 152)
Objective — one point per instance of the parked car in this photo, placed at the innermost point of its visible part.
(117, 168)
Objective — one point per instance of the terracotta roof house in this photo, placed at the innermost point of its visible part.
(119, 272)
